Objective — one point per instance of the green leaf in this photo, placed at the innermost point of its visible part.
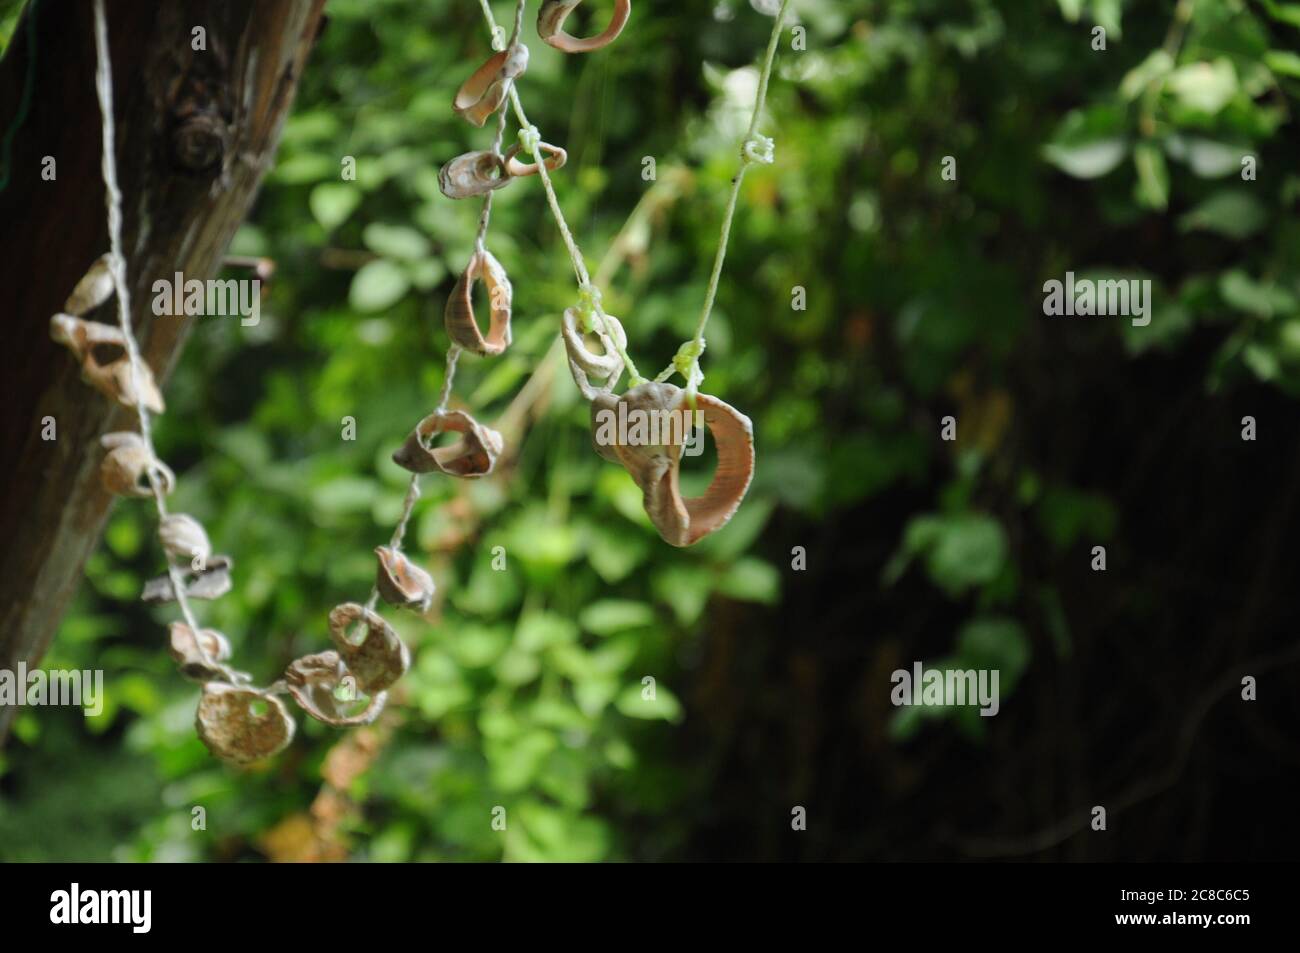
(1153, 176)
(1087, 160)
(634, 703)
(332, 202)
(753, 581)
(395, 241)
(1157, 65)
(1235, 214)
(1284, 62)
(607, 616)
(1204, 87)
(378, 285)
(1263, 300)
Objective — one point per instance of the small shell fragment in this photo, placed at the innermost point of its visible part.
(94, 288)
(585, 363)
(126, 467)
(184, 537)
(458, 316)
(483, 93)
(211, 582)
(242, 725)
(555, 159)
(316, 681)
(471, 174)
(474, 455)
(550, 26)
(401, 582)
(185, 652)
(655, 466)
(380, 658)
(101, 351)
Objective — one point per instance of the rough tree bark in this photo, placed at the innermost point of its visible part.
(196, 131)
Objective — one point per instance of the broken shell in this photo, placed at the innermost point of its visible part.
(471, 174)
(126, 467)
(603, 403)
(234, 730)
(483, 93)
(459, 313)
(474, 455)
(210, 582)
(585, 363)
(185, 538)
(101, 351)
(550, 26)
(401, 582)
(94, 288)
(380, 658)
(81, 336)
(554, 160)
(186, 653)
(655, 467)
(313, 682)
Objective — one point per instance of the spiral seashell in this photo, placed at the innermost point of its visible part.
(555, 159)
(487, 87)
(584, 363)
(473, 173)
(234, 730)
(380, 658)
(401, 582)
(94, 288)
(313, 681)
(458, 316)
(550, 26)
(474, 455)
(184, 537)
(126, 467)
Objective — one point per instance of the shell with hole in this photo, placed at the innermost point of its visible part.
(488, 86)
(380, 658)
(474, 455)
(550, 26)
(401, 582)
(126, 467)
(584, 363)
(242, 725)
(458, 316)
(472, 174)
(315, 683)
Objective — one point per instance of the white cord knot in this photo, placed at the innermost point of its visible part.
(760, 149)
(530, 139)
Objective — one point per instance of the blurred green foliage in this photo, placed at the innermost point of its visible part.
(526, 689)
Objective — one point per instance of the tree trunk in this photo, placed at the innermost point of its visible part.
(196, 131)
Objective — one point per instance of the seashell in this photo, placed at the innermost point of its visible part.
(401, 582)
(483, 93)
(185, 652)
(94, 288)
(234, 731)
(471, 174)
(380, 658)
(555, 159)
(550, 26)
(210, 582)
(125, 470)
(81, 336)
(602, 403)
(459, 313)
(101, 351)
(313, 681)
(585, 363)
(655, 467)
(184, 537)
(472, 456)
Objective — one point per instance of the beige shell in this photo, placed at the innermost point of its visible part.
(380, 658)
(555, 159)
(125, 470)
(483, 93)
(401, 582)
(474, 455)
(655, 467)
(312, 682)
(185, 652)
(101, 351)
(459, 313)
(550, 26)
(603, 403)
(94, 288)
(210, 582)
(584, 363)
(184, 538)
(233, 731)
(471, 174)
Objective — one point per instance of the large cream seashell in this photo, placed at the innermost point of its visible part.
(401, 582)
(584, 363)
(459, 313)
(474, 455)
(555, 159)
(471, 174)
(550, 26)
(234, 731)
(94, 288)
(313, 681)
(483, 93)
(125, 470)
(655, 467)
(380, 658)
